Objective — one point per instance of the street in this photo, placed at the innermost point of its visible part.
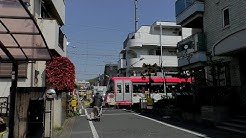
(121, 123)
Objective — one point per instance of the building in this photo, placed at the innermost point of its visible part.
(48, 16)
(151, 44)
(216, 48)
(217, 36)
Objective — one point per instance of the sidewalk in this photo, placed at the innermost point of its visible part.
(66, 129)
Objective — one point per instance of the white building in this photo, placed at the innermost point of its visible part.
(144, 46)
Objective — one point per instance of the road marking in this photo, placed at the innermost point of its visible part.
(179, 128)
(119, 114)
(93, 129)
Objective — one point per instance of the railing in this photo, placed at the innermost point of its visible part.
(182, 5)
(195, 41)
(131, 36)
(4, 106)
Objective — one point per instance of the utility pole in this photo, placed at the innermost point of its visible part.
(136, 18)
(162, 70)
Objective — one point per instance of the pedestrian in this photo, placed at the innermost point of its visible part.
(96, 104)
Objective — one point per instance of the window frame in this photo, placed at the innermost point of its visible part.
(226, 22)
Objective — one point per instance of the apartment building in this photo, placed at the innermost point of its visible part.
(151, 44)
(218, 37)
(30, 34)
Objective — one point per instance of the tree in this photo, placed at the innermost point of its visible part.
(60, 73)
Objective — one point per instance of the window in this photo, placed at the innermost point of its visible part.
(127, 86)
(226, 17)
(6, 70)
(118, 88)
(158, 52)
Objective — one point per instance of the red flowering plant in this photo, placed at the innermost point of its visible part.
(60, 73)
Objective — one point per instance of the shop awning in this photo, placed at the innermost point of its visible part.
(20, 36)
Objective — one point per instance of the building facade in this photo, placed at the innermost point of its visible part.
(49, 16)
(151, 44)
(218, 38)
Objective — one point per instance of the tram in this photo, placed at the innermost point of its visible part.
(127, 91)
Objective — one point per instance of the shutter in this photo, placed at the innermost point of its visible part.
(6, 69)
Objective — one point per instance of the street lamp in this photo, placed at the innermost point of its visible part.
(137, 61)
(162, 70)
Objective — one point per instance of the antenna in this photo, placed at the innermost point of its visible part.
(136, 18)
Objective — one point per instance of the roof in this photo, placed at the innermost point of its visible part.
(20, 37)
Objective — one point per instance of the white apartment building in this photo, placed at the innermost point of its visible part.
(144, 46)
(219, 35)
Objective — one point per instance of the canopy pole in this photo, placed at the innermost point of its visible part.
(13, 90)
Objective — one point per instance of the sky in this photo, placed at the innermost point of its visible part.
(96, 29)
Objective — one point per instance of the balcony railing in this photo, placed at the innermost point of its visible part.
(170, 61)
(140, 39)
(130, 37)
(182, 5)
(196, 42)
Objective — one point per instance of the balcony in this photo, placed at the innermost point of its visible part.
(139, 39)
(196, 57)
(57, 8)
(54, 37)
(189, 13)
(195, 42)
(168, 61)
(122, 64)
(196, 49)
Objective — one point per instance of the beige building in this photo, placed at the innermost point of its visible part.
(31, 32)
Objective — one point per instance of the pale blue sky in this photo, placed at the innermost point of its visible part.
(96, 29)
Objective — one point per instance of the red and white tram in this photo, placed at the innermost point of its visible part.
(129, 90)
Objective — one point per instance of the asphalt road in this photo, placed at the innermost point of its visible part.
(119, 123)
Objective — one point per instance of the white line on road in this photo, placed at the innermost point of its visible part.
(179, 128)
(119, 114)
(93, 129)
